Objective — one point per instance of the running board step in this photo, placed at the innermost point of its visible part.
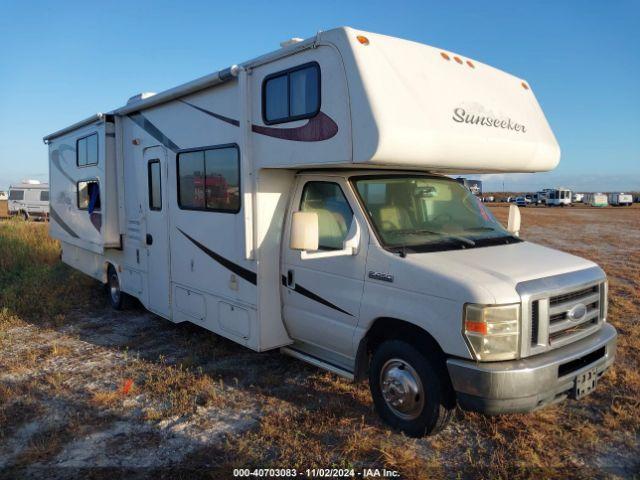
(315, 361)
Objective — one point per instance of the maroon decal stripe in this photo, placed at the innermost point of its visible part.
(319, 128)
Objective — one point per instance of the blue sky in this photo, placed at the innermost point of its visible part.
(63, 61)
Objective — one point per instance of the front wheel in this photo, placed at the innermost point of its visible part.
(409, 390)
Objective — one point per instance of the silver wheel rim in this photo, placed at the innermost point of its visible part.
(402, 389)
(114, 288)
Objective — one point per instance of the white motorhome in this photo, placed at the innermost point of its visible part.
(300, 201)
(620, 199)
(29, 199)
(598, 200)
(558, 197)
(4, 195)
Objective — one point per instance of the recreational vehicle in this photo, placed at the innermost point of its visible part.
(620, 199)
(598, 200)
(4, 195)
(577, 197)
(559, 197)
(29, 199)
(301, 201)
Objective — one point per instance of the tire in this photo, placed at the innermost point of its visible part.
(117, 298)
(396, 367)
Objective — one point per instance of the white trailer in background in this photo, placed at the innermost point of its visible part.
(301, 201)
(29, 199)
(558, 197)
(620, 199)
(578, 197)
(598, 200)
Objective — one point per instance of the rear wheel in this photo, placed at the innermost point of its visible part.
(117, 298)
(409, 390)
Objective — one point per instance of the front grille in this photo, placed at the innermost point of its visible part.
(566, 297)
(560, 319)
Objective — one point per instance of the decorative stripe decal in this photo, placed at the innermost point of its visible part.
(55, 160)
(319, 128)
(152, 130)
(312, 296)
(248, 275)
(54, 215)
(233, 122)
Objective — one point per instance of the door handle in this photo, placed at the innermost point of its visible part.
(290, 278)
(149, 239)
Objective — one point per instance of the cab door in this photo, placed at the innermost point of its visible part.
(322, 295)
(157, 235)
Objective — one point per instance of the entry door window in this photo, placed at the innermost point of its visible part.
(334, 213)
(155, 185)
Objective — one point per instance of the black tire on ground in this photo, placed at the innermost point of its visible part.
(117, 298)
(396, 367)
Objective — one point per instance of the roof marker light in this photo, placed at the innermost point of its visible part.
(445, 56)
(458, 59)
(525, 86)
(363, 40)
(470, 63)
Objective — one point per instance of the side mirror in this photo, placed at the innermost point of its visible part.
(514, 220)
(304, 231)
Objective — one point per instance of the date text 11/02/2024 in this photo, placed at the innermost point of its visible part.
(316, 473)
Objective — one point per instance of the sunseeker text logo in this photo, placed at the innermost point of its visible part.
(460, 115)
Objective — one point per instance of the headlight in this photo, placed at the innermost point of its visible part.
(493, 332)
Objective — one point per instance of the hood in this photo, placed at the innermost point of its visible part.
(489, 274)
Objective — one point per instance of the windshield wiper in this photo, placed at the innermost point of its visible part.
(431, 232)
(480, 229)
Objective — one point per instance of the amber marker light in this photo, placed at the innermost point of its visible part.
(458, 59)
(525, 86)
(445, 56)
(363, 40)
(470, 63)
(478, 327)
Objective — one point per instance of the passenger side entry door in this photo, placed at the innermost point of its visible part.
(322, 290)
(157, 234)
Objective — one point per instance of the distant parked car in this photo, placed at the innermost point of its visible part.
(522, 201)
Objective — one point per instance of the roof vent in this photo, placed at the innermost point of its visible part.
(291, 41)
(31, 182)
(139, 97)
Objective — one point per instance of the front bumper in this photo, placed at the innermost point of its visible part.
(533, 382)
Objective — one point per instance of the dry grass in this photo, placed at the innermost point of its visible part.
(58, 362)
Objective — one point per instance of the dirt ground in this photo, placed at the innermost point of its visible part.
(88, 392)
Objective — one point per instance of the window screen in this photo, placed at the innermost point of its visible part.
(87, 150)
(209, 179)
(16, 195)
(291, 95)
(89, 195)
(44, 196)
(155, 185)
(334, 213)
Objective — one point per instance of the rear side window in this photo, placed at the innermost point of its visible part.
(209, 179)
(16, 195)
(334, 213)
(87, 150)
(290, 95)
(44, 196)
(89, 195)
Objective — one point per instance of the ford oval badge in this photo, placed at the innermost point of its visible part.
(577, 312)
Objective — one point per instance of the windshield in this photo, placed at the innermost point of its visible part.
(421, 213)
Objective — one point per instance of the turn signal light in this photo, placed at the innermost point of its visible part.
(363, 40)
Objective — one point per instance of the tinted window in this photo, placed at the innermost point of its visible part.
(334, 213)
(89, 195)
(209, 179)
(16, 195)
(155, 185)
(44, 196)
(87, 150)
(292, 95)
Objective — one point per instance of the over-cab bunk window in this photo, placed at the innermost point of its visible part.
(292, 94)
(209, 179)
(87, 150)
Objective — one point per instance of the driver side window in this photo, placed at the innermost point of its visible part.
(334, 213)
